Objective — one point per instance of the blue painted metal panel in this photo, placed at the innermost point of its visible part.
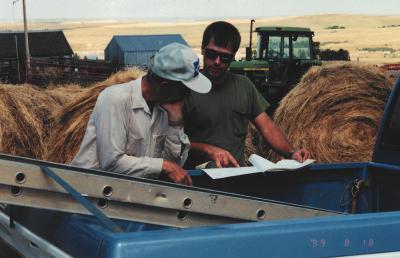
(325, 186)
(138, 58)
(114, 53)
(314, 237)
(111, 51)
(387, 144)
(137, 49)
(146, 42)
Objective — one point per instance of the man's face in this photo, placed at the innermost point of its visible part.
(172, 92)
(216, 60)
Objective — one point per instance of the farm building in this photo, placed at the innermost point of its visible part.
(42, 44)
(136, 50)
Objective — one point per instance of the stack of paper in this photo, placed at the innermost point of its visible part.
(260, 165)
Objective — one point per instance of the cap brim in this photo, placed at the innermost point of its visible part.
(200, 84)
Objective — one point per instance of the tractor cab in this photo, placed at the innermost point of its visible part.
(284, 43)
(281, 57)
(289, 52)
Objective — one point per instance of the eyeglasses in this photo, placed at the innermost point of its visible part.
(212, 54)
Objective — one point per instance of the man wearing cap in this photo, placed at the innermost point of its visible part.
(217, 122)
(136, 128)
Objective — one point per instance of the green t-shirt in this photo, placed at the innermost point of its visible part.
(221, 116)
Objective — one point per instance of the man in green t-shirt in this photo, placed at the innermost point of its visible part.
(217, 122)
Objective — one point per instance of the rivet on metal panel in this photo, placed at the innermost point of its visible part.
(261, 214)
(16, 190)
(20, 178)
(107, 191)
(187, 203)
(33, 245)
(161, 195)
(181, 215)
(102, 203)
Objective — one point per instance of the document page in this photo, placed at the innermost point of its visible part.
(260, 165)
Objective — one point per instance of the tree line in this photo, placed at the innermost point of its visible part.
(330, 54)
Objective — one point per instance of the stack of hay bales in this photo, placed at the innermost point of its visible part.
(25, 119)
(71, 121)
(334, 112)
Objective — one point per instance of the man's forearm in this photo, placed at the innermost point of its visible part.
(203, 147)
(279, 143)
(273, 135)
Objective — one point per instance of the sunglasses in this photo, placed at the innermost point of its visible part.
(212, 54)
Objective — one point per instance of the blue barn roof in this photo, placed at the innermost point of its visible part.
(137, 43)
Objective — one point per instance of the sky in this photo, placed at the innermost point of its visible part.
(189, 9)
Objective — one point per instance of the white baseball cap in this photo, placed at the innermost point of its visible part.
(178, 62)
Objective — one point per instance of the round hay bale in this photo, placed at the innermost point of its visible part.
(25, 118)
(253, 142)
(71, 121)
(334, 112)
(63, 94)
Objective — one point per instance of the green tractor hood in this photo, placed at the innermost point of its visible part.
(253, 65)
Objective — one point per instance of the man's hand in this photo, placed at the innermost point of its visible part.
(301, 155)
(174, 111)
(176, 173)
(222, 157)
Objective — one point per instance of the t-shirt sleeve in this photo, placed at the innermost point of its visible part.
(258, 103)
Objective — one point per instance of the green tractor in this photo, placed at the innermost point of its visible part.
(282, 56)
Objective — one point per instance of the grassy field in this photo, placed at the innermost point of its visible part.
(370, 39)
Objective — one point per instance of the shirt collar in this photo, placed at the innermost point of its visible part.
(137, 97)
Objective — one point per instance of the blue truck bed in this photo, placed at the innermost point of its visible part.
(339, 235)
(372, 229)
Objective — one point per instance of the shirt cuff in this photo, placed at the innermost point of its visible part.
(154, 167)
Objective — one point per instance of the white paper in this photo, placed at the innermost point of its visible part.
(290, 164)
(260, 165)
(217, 173)
(285, 164)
